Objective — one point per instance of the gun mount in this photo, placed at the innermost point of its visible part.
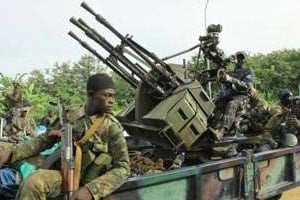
(169, 109)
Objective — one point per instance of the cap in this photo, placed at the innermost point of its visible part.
(99, 81)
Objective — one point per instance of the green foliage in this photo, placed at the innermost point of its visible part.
(276, 70)
(279, 69)
(38, 99)
(66, 81)
(124, 93)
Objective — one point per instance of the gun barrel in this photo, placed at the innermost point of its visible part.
(180, 53)
(167, 72)
(107, 46)
(114, 66)
(135, 68)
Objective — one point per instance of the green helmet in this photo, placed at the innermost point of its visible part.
(289, 140)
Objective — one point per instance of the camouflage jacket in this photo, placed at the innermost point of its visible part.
(25, 124)
(105, 160)
(242, 80)
(274, 123)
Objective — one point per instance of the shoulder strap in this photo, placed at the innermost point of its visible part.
(78, 155)
(92, 130)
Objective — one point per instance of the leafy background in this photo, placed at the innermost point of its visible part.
(276, 70)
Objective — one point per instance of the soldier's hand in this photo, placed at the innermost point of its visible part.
(82, 194)
(5, 155)
(227, 78)
(223, 77)
(55, 133)
(293, 122)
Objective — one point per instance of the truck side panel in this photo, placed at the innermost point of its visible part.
(216, 180)
(276, 171)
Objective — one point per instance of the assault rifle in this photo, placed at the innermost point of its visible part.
(67, 160)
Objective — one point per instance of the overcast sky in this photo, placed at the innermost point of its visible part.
(34, 32)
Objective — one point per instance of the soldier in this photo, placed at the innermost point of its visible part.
(48, 119)
(282, 126)
(21, 125)
(105, 161)
(24, 123)
(15, 98)
(234, 94)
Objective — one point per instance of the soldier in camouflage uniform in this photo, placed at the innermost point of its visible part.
(15, 99)
(48, 119)
(24, 123)
(105, 160)
(234, 94)
(21, 124)
(13, 102)
(282, 126)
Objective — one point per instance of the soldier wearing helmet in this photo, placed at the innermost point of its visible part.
(235, 91)
(283, 126)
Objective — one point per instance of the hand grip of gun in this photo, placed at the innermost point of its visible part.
(67, 160)
(221, 75)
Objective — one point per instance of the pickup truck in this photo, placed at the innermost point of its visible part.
(264, 175)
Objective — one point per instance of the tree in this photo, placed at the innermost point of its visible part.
(67, 81)
(276, 70)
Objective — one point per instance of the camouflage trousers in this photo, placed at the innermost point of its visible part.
(232, 106)
(41, 185)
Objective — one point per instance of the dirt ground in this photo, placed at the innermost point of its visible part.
(293, 194)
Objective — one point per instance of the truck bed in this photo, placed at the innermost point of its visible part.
(251, 176)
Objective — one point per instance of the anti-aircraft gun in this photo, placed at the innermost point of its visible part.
(169, 110)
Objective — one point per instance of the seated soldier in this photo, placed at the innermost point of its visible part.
(101, 159)
(48, 119)
(234, 94)
(283, 126)
(21, 125)
(24, 124)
